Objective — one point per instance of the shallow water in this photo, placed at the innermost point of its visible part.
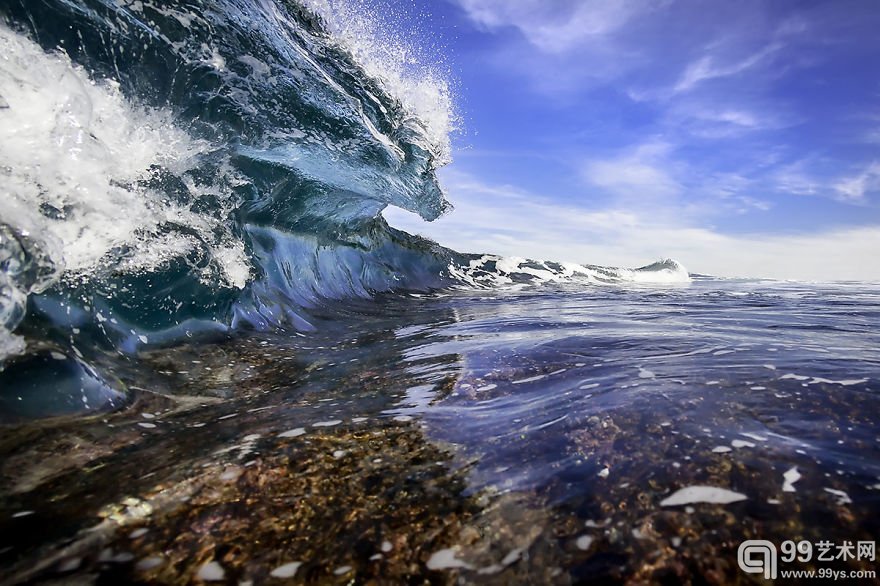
(509, 435)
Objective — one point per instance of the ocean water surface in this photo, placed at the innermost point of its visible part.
(219, 363)
(525, 434)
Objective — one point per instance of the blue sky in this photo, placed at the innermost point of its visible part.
(741, 138)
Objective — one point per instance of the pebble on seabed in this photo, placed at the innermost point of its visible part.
(738, 443)
(149, 563)
(702, 494)
(789, 478)
(211, 572)
(138, 533)
(293, 432)
(288, 570)
(445, 559)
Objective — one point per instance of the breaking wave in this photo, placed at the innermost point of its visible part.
(178, 168)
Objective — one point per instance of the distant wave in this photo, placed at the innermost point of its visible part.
(493, 271)
(176, 168)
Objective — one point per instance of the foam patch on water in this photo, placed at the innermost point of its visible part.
(827, 381)
(841, 497)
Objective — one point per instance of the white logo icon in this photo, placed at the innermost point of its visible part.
(757, 556)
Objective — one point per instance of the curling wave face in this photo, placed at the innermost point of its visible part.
(178, 168)
(157, 155)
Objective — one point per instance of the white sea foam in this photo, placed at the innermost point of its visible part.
(819, 380)
(398, 62)
(842, 497)
(76, 148)
(74, 153)
(666, 271)
(494, 271)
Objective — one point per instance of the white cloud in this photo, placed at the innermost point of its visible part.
(554, 26)
(507, 221)
(642, 173)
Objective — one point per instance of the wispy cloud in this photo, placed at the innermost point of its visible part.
(795, 179)
(853, 187)
(706, 68)
(719, 119)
